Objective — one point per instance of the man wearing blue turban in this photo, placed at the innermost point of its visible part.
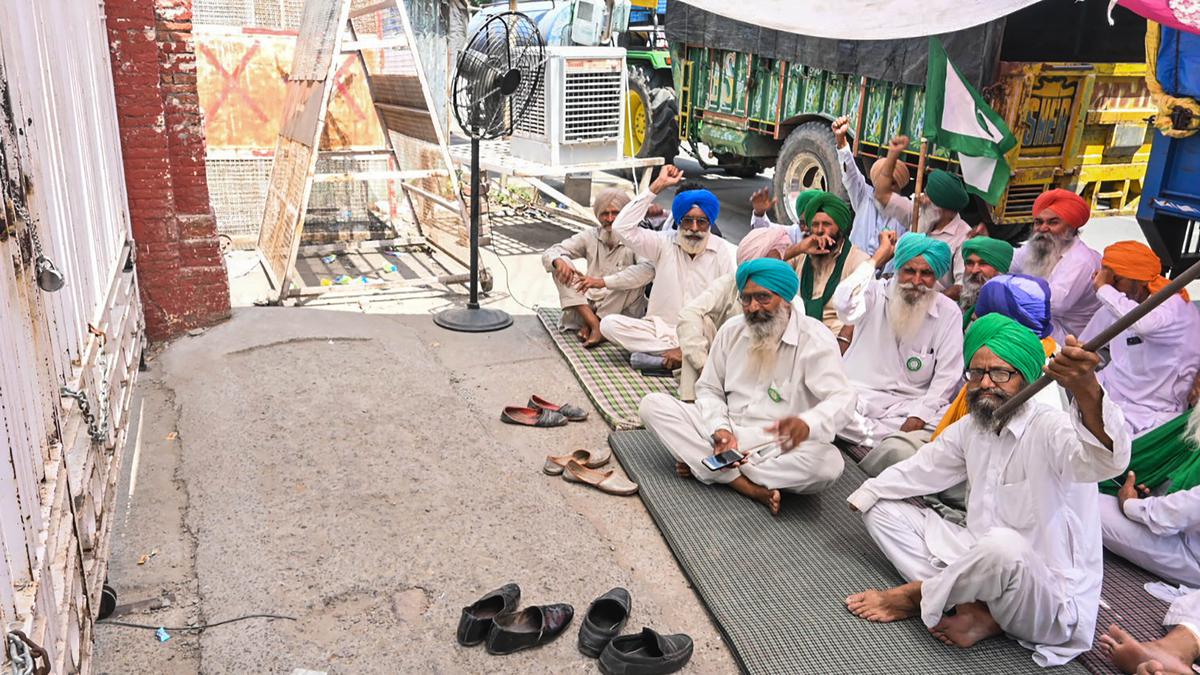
(905, 357)
(685, 262)
(773, 389)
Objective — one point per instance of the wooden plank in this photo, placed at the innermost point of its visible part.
(351, 46)
(368, 246)
(355, 176)
(409, 121)
(445, 204)
(373, 8)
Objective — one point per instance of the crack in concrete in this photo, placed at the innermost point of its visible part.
(293, 341)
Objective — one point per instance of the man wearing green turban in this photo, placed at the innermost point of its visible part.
(983, 259)
(1029, 562)
(773, 381)
(943, 197)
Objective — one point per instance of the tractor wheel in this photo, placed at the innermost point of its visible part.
(651, 124)
(807, 161)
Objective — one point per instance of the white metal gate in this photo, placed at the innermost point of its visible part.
(61, 352)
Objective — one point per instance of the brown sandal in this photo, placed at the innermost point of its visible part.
(555, 464)
(605, 481)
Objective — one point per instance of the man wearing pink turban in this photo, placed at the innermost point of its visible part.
(703, 315)
(1057, 254)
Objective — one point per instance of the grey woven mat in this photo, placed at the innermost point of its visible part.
(776, 586)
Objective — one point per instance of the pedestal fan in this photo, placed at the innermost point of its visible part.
(495, 80)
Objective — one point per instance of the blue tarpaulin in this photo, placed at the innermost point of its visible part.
(1178, 66)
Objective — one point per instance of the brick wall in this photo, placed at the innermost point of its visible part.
(182, 274)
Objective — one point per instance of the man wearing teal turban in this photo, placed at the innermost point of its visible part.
(773, 381)
(943, 197)
(1028, 563)
(905, 356)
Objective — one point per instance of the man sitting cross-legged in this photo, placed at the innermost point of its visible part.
(685, 262)
(1162, 535)
(615, 277)
(906, 356)
(773, 379)
(700, 319)
(1029, 562)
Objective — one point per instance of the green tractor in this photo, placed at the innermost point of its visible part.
(651, 125)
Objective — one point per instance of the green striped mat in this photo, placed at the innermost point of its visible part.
(613, 387)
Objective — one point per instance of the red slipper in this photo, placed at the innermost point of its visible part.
(532, 418)
(571, 412)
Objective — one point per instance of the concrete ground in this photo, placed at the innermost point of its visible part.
(344, 464)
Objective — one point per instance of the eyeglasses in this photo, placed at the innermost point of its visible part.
(997, 375)
(693, 222)
(762, 298)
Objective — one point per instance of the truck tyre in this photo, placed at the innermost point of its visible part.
(807, 161)
(651, 124)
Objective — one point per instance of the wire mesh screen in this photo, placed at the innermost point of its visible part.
(276, 14)
(337, 211)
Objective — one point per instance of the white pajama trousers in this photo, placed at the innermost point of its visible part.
(810, 467)
(1169, 557)
(1025, 597)
(1185, 612)
(639, 335)
(603, 301)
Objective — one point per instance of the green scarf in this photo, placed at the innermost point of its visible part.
(815, 307)
(1162, 454)
(967, 314)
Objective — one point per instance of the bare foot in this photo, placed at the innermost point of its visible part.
(583, 333)
(1159, 656)
(673, 359)
(768, 498)
(970, 623)
(1153, 667)
(894, 604)
(683, 470)
(594, 339)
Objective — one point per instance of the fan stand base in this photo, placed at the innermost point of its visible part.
(468, 320)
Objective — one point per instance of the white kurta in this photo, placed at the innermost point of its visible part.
(1158, 534)
(678, 277)
(1031, 548)
(869, 220)
(894, 379)
(699, 321)
(954, 234)
(624, 276)
(1073, 300)
(809, 383)
(1153, 363)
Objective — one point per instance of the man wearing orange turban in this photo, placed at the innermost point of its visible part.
(1057, 254)
(1154, 362)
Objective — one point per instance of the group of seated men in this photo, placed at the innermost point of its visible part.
(847, 325)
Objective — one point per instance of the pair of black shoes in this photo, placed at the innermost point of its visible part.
(493, 618)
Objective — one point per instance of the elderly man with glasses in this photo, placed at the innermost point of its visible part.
(685, 262)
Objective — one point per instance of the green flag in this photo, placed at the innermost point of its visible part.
(957, 117)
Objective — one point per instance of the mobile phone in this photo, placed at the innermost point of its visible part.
(718, 462)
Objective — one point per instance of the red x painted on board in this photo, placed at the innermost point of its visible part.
(231, 85)
(344, 90)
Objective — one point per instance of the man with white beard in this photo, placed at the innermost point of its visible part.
(773, 382)
(685, 262)
(1028, 564)
(1057, 254)
(943, 197)
(906, 356)
(614, 280)
(984, 259)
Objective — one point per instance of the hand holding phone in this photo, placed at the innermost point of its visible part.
(722, 461)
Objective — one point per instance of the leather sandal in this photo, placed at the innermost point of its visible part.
(530, 627)
(571, 412)
(555, 464)
(605, 481)
(476, 621)
(532, 418)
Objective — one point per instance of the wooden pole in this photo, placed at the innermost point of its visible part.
(916, 214)
(1148, 305)
(862, 102)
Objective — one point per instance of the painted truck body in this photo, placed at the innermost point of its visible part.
(1080, 125)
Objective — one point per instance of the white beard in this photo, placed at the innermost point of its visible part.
(692, 245)
(1193, 428)
(764, 340)
(930, 215)
(606, 236)
(906, 315)
(970, 292)
(1045, 251)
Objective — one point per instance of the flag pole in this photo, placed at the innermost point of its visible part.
(916, 214)
(1148, 305)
